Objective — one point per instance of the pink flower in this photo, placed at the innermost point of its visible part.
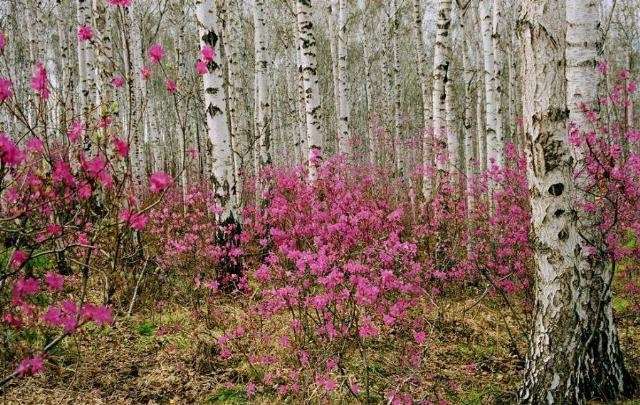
(159, 181)
(367, 329)
(208, 53)
(251, 390)
(603, 67)
(30, 366)
(39, 82)
(120, 3)
(62, 173)
(117, 81)
(145, 72)
(26, 286)
(134, 220)
(156, 53)
(101, 315)
(631, 87)
(75, 131)
(35, 145)
(419, 337)
(171, 86)
(54, 281)
(10, 154)
(85, 33)
(84, 191)
(201, 67)
(122, 148)
(6, 90)
(94, 166)
(18, 258)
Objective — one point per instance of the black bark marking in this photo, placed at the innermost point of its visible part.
(556, 190)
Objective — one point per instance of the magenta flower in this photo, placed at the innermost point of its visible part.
(145, 72)
(39, 82)
(208, 53)
(85, 33)
(75, 131)
(134, 220)
(122, 148)
(159, 181)
(117, 81)
(172, 87)
(6, 90)
(30, 366)
(54, 281)
(201, 67)
(19, 258)
(120, 3)
(156, 53)
(10, 154)
(101, 315)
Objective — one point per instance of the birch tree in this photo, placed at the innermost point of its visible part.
(263, 107)
(215, 107)
(441, 66)
(308, 66)
(494, 143)
(574, 354)
(344, 135)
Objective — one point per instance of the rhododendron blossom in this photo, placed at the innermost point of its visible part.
(159, 181)
(6, 90)
(85, 33)
(39, 82)
(156, 53)
(208, 53)
(117, 81)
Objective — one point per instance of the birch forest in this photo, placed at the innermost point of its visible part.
(319, 201)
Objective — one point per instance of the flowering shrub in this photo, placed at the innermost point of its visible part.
(336, 278)
(69, 218)
(205, 252)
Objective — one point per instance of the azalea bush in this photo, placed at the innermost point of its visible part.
(336, 278)
(71, 223)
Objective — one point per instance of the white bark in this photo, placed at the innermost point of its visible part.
(263, 107)
(307, 44)
(215, 107)
(441, 66)
(574, 354)
(396, 89)
(427, 156)
(494, 144)
(344, 134)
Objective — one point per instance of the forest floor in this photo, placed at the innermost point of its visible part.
(473, 356)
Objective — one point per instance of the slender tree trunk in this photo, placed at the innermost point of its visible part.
(427, 156)
(344, 135)
(396, 89)
(441, 65)
(263, 107)
(498, 68)
(366, 54)
(494, 146)
(215, 107)
(574, 354)
(307, 44)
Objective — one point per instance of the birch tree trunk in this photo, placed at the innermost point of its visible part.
(263, 107)
(574, 354)
(441, 66)
(215, 107)
(307, 44)
(344, 135)
(366, 54)
(469, 135)
(427, 156)
(498, 67)
(494, 146)
(84, 87)
(396, 89)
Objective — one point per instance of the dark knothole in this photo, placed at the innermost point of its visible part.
(558, 213)
(563, 235)
(556, 189)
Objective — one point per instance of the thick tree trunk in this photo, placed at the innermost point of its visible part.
(574, 354)
(215, 107)
(307, 44)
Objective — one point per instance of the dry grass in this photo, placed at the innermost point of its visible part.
(171, 358)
